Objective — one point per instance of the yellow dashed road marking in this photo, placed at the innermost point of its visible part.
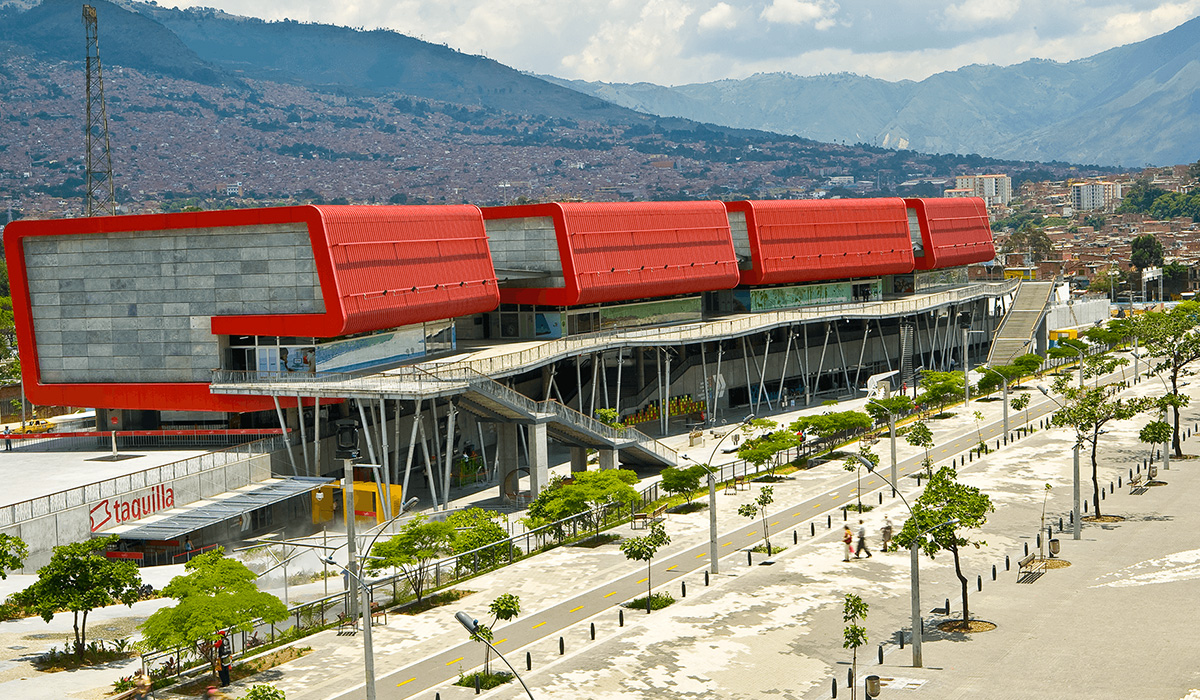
(410, 680)
(454, 661)
(672, 567)
(575, 609)
(538, 625)
(609, 595)
(644, 580)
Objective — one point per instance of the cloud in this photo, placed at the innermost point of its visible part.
(974, 13)
(818, 13)
(629, 51)
(721, 16)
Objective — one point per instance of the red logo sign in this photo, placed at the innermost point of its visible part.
(114, 511)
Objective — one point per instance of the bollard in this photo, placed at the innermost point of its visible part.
(1085, 506)
(971, 455)
(845, 514)
(1006, 564)
(812, 529)
(1119, 481)
(900, 634)
(477, 683)
(1060, 524)
(881, 498)
(1071, 517)
(850, 678)
(918, 480)
(828, 521)
(593, 630)
(528, 661)
(993, 572)
(749, 558)
(997, 444)
(880, 654)
(1110, 486)
(562, 646)
(683, 589)
(795, 537)
(1027, 548)
(834, 684)
(620, 617)
(1039, 543)
(947, 611)
(1102, 492)
(980, 582)
(706, 577)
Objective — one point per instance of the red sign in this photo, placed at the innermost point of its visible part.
(117, 510)
(365, 513)
(123, 555)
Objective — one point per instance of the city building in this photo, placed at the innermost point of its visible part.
(1090, 196)
(994, 190)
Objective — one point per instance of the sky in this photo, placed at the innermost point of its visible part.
(673, 42)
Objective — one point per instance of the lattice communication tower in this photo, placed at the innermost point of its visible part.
(100, 198)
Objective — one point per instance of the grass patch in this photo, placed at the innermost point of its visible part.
(244, 669)
(769, 479)
(858, 507)
(596, 541)
(435, 600)
(487, 681)
(762, 549)
(658, 601)
(941, 416)
(97, 653)
(690, 507)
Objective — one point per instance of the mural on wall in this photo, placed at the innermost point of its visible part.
(547, 325)
(371, 350)
(940, 278)
(651, 313)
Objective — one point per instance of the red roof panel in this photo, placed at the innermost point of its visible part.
(632, 250)
(955, 232)
(809, 240)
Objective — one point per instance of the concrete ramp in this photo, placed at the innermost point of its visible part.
(1015, 335)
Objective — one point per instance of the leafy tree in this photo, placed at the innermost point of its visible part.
(852, 464)
(412, 549)
(216, 593)
(758, 507)
(1171, 342)
(854, 635)
(828, 425)
(919, 435)
(1032, 240)
(944, 500)
(898, 406)
(478, 528)
(610, 417)
(643, 549)
(1028, 364)
(80, 578)
(1003, 374)
(1147, 251)
(506, 607)
(1175, 279)
(1086, 411)
(682, 481)
(1021, 403)
(589, 491)
(12, 554)
(1156, 432)
(765, 449)
(978, 416)
(1070, 349)
(940, 388)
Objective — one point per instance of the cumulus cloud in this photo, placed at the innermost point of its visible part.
(679, 41)
(818, 13)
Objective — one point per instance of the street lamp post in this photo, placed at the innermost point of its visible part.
(914, 568)
(713, 561)
(472, 626)
(1076, 525)
(892, 435)
(1166, 459)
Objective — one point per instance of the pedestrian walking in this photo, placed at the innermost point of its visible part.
(7, 439)
(887, 533)
(847, 540)
(224, 658)
(141, 686)
(862, 541)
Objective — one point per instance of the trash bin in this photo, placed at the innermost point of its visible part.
(1054, 546)
(695, 438)
(872, 686)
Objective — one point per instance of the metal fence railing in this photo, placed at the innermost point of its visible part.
(80, 495)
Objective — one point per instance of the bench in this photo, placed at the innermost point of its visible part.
(1135, 484)
(1030, 565)
(736, 484)
(377, 611)
(646, 519)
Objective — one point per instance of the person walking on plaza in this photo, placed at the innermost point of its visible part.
(7, 439)
(862, 541)
(847, 540)
(224, 658)
(887, 533)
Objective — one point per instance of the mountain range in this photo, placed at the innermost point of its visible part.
(1130, 106)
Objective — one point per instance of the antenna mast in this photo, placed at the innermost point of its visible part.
(100, 198)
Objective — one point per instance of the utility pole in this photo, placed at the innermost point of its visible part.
(99, 196)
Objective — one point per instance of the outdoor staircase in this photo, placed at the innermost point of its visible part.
(1015, 334)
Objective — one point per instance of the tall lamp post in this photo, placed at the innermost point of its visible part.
(1169, 415)
(914, 567)
(472, 626)
(1076, 525)
(892, 435)
(713, 562)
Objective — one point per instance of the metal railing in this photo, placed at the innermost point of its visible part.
(81, 495)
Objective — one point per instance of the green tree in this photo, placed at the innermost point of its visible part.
(1031, 240)
(1171, 342)
(1021, 403)
(978, 416)
(477, 528)
(12, 554)
(940, 388)
(853, 634)
(758, 508)
(682, 481)
(919, 435)
(1028, 364)
(1147, 251)
(1086, 411)
(945, 500)
(215, 593)
(80, 578)
(1003, 374)
(411, 550)
(505, 607)
(828, 426)
(852, 464)
(1156, 432)
(610, 417)
(898, 405)
(643, 549)
(765, 449)
(589, 491)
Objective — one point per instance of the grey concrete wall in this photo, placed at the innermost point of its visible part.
(136, 307)
(1077, 314)
(71, 524)
(741, 237)
(524, 244)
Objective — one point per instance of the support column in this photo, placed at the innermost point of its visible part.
(539, 465)
(608, 459)
(578, 459)
(506, 460)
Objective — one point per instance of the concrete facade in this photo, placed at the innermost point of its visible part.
(528, 243)
(131, 307)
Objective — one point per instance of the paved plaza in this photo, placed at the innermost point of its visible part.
(1113, 624)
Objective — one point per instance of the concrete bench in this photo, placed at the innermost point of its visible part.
(1135, 484)
(736, 484)
(1030, 565)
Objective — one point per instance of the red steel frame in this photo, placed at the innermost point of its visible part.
(363, 255)
(810, 240)
(955, 231)
(632, 250)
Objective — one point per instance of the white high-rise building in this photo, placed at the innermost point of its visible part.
(995, 190)
(1086, 196)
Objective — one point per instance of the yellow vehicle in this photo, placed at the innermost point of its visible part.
(34, 426)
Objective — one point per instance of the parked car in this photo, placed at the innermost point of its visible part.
(36, 425)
